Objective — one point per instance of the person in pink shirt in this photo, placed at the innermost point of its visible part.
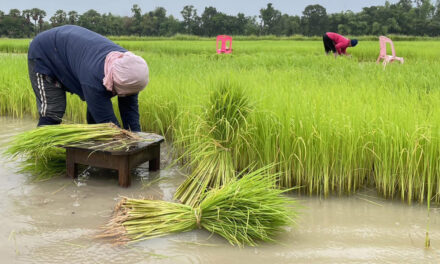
(337, 43)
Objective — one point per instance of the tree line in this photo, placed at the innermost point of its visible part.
(406, 17)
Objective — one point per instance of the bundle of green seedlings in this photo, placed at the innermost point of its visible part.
(214, 143)
(245, 211)
(41, 152)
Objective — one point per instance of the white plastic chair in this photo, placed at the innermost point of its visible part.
(383, 52)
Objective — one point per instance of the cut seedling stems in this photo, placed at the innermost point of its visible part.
(244, 212)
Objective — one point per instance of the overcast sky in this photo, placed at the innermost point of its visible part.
(231, 7)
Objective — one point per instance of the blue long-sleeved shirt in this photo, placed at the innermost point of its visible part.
(75, 56)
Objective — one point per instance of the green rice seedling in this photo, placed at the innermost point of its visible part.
(40, 149)
(159, 115)
(14, 45)
(245, 211)
(16, 95)
(215, 143)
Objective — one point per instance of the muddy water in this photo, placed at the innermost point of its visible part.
(54, 222)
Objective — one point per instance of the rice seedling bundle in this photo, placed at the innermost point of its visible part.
(244, 212)
(214, 143)
(40, 149)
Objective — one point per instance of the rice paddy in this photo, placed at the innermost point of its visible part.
(330, 126)
(53, 220)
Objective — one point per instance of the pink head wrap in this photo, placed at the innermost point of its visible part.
(125, 73)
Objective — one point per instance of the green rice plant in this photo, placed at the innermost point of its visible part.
(14, 45)
(245, 211)
(159, 115)
(215, 143)
(332, 126)
(41, 152)
(17, 98)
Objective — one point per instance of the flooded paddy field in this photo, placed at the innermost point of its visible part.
(55, 221)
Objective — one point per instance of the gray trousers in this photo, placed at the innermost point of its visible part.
(50, 95)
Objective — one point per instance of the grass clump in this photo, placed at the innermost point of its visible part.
(245, 211)
(41, 152)
(215, 142)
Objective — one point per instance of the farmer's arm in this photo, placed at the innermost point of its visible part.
(129, 110)
(344, 51)
(340, 48)
(99, 105)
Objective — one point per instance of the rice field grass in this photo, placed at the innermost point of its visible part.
(332, 126)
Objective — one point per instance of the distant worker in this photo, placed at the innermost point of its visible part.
(337, 43)
(76, 60)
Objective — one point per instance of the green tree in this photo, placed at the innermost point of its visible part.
(410, 17)
(73, 17)
(405, 5)
(154, 22)
(314, 20)
(424, 12)
(59, 18)
(112, 25)
(251, 26)
(241, 22)
(437, 9)
(270, 17)
(15, 26)
(37, 15)
(27, 14)
(338, 22)
(209, 26)
(136, 26)
(290, 25)
(40, 20)
(191, 22)
(172, 26)
(91, 20)
(14, 12)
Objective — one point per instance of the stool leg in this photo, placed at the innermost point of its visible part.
(71, 166)
(154, 164)
(124, 172)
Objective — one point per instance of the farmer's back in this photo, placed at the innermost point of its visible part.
(73, 55)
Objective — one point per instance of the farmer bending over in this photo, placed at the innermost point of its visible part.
(76, 60)
(337, 43)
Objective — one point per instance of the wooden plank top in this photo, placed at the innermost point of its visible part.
(119, 146)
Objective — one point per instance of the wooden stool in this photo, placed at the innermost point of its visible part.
(99, 154)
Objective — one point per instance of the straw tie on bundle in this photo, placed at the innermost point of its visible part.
(198, 214)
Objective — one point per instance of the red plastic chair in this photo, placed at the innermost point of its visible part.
(383, 52)
(224, 48)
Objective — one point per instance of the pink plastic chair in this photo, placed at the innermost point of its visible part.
(383, 52)
(223, 39)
